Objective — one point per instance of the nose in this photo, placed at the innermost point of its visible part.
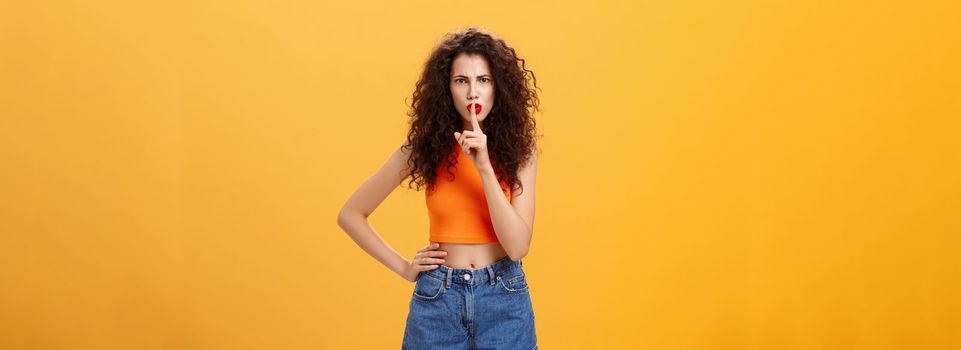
(473, 94)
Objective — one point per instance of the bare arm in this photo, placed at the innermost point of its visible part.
(513, 221)
(353, 217)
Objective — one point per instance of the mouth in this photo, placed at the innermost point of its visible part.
(477, 107)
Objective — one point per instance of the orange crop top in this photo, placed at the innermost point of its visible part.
(458, 208)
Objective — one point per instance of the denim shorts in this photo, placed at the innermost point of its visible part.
(483, 308)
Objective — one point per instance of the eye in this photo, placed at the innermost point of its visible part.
(485, 79)
(459, 80)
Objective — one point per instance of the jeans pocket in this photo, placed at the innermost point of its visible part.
(428, 287)
(515, 282)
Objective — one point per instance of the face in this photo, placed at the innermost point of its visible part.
(471, 85)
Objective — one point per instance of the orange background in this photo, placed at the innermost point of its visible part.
(715, 175)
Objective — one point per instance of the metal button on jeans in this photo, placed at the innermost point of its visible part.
(501, 315)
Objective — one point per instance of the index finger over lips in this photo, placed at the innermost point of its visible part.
(473, 120)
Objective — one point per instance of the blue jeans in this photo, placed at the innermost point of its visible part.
(483, 308)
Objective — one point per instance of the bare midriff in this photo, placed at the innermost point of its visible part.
(471, 256)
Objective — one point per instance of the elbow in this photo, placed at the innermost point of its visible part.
(343, 217)
(518, 253)
(519, 250)
(348, 215)
(517, 256)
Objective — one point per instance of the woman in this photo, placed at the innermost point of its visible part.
(472, 142)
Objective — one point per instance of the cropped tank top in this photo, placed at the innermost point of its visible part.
(457, 208)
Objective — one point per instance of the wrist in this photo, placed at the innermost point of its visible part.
(486, 170)
(408, 273)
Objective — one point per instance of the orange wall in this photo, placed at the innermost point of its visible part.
(715, 175)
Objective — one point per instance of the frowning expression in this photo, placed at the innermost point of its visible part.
(471, 86)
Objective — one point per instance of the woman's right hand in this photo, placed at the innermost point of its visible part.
(428, 258)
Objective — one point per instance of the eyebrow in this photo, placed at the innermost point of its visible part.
(479, 76)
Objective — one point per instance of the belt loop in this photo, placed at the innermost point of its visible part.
(490, 271)
(450, 272)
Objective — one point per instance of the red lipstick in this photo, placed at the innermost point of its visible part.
(476, 107)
